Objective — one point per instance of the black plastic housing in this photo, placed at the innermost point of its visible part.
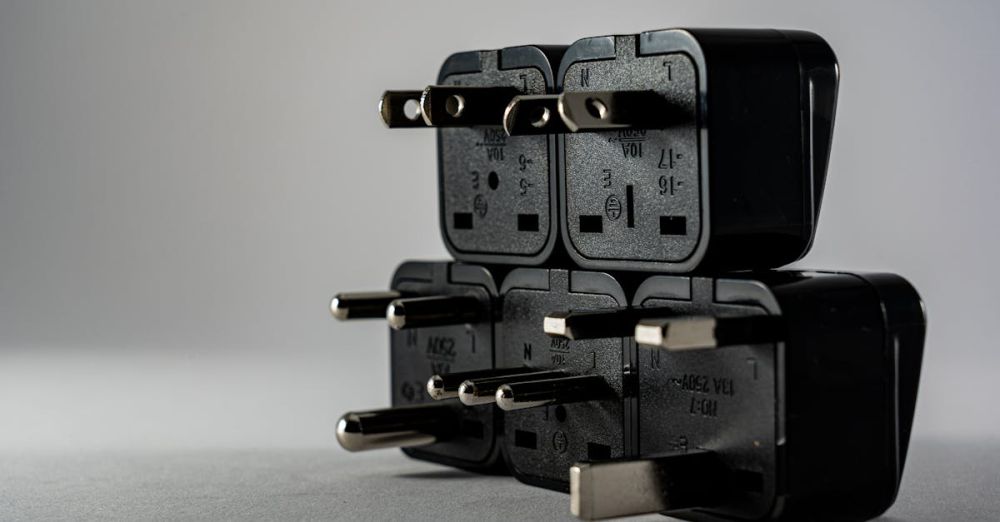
(417, 354)
(813, 427)
(498, 192)
(540, 444)
(735, 177)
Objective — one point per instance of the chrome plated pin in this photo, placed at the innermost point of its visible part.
(533, 114)
(446, 385)
(531, 394)
(597, 324)
(421, 312)
(698, 333)
(455, 106)
(362, 305)
(610, 110)
(611, 489)
(401, 109)
(473, 392)
(396, 427)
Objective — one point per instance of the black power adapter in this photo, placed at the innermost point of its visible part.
(689, 149)
(779, 395)
(715, 395)
(583, 413)
(441, 317)
(775, 396)
(497, 192)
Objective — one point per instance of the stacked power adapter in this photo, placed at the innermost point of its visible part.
(615, 324)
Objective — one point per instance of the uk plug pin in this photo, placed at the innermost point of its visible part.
(795, 389)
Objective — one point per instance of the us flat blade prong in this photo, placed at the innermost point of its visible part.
(696, 333)
(597, 324)
(610, 110)
(447, 106)
(533, 114)
(420, 312)
(392, 107)
(395, 427)
(474, 392)
(446, 385)
(362, 305)
(531, 394)
(612, 489)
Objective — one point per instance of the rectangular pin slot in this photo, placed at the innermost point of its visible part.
(527, 222)
(629, 206)
(673, 225)
(525, 439)
(591, 224)
(462, 220)
(472, 428)
(597, 451)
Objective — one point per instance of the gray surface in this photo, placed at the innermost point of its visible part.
(944, 481)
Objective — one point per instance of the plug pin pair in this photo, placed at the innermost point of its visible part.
(587, 112)
(424, 424)
(446, 106)
(453, 106)
(516, 388)
(404, 311)
(654, 328)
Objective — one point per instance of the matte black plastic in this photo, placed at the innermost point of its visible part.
(498, 192)
(738, 186)
(540, 444)
(813, 427)
(417, 354)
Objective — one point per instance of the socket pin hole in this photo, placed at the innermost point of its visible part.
(411, 109)
(540, 117)
(597, 108)
(454, 105)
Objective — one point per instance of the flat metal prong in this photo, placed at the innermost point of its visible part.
(392, 107)
(635, 487)
(698, 333)
(362, 305)
(459, 106)
(597, 324)
(609, 110)
(473, 392)
(533, 114)
(395, 427)
(421, 312)
(446, 385)
(531, 394)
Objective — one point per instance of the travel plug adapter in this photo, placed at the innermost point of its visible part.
(441, 316)
(497, 193)
(780, 395)
(692, 149)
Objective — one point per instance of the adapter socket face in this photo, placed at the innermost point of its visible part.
(497, 192)
(720, 400)
(812, 426)
(622, 184)
(418, 353)
(725, 172)
(540, 444)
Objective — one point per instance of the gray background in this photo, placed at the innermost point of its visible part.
(184, 185)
